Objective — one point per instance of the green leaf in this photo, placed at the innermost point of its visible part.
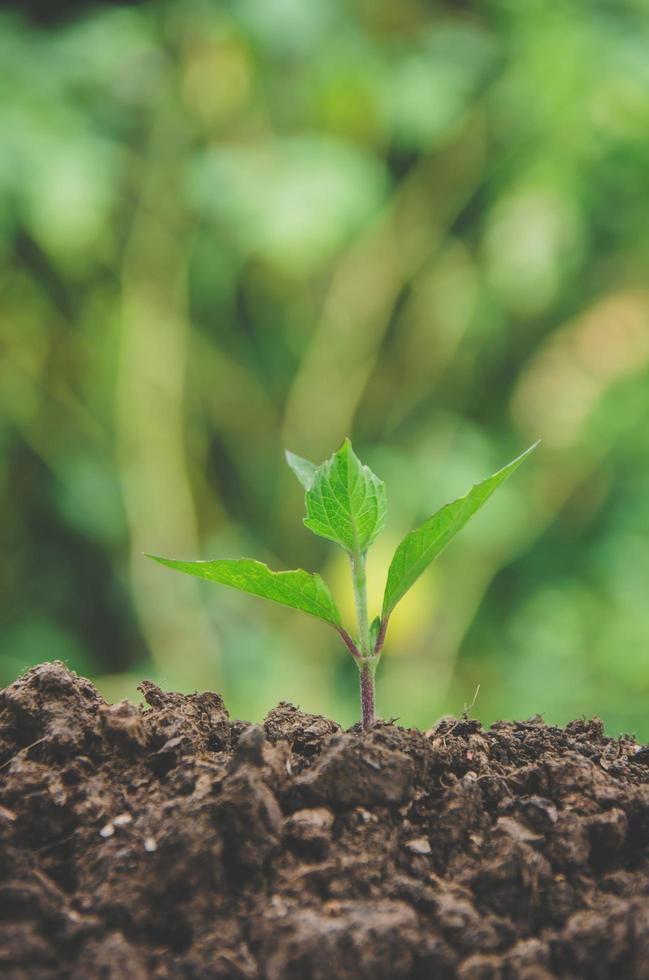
(419, 548)
(303, 469)
(298, 589)
(375, 627)
(346, 503)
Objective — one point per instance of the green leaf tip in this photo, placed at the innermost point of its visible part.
(346, 502)
(298, 589)
(304, 470)
(419, 548)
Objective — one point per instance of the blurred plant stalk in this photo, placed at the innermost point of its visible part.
(149, 409)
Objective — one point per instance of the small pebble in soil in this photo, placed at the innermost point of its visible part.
(420, 845)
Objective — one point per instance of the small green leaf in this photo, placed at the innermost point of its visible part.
(298, 589)
(421, 546)
(375, 626)
(303, 469)
(346, 503)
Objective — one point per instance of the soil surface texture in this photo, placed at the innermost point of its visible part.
(173, 842)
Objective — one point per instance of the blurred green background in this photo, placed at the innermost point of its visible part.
(230, 228)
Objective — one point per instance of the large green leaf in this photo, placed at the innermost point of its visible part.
(304, 470)
(419, 548)
(346, 502)
(298, 589)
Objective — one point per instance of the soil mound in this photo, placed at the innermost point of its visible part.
(173, 842)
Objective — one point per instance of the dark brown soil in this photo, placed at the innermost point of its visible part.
(174, 842)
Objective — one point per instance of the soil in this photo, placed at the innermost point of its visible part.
(174, 842)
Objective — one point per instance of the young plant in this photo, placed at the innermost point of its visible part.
(346, 503)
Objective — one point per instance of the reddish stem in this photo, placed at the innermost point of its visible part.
(351, 646)
(380, 640)
(368, 716)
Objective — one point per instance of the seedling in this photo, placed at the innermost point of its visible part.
(346, 503)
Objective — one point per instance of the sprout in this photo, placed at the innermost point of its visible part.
(346, 503)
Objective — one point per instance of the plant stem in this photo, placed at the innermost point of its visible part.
(349, 643)
(365, 657)
(368, 716)
(360, 597)
(380, 640)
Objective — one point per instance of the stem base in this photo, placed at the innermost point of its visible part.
(368, 711)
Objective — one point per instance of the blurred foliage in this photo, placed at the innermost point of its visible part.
(227, 228)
